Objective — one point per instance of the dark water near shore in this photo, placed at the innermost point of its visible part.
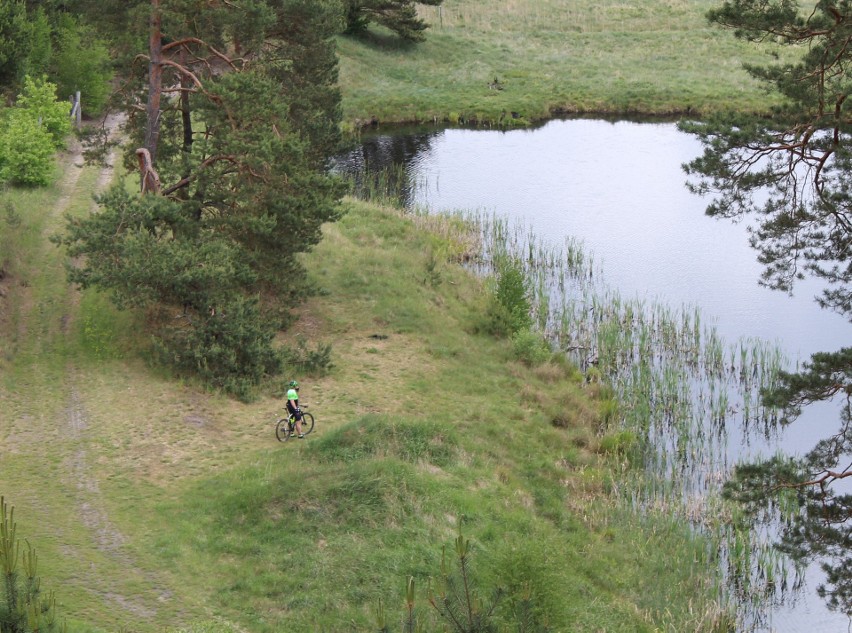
(619, 187)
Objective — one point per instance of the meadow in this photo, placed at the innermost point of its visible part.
(551, 57)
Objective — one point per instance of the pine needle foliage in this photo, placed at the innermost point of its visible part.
(790, 176)
(457, 601)
(24, 606)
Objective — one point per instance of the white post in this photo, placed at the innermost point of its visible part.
(79, 109)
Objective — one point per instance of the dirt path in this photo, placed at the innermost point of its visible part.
(91, 510)
(48, 401)
(96, 451)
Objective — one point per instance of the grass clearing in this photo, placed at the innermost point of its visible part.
(550, 56)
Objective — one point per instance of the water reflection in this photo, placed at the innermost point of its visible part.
(618, 187)
(382, 163)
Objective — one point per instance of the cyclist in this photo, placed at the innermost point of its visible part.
(293, 406)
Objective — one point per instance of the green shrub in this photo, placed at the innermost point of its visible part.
(30, 134)
(304, 360)
(509, 307)
(26, 152)
(531, 348)
(512, 294)
(229, 350)
(39, 103)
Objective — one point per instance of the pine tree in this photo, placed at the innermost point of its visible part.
(791, 175)
(24, 606)
(230, 126)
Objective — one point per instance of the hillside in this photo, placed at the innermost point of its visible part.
(153, 504)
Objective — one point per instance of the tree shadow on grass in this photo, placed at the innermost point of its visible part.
(382, 40)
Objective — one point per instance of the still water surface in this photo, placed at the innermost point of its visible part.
(619, 187)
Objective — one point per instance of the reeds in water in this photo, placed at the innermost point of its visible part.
(680, 387)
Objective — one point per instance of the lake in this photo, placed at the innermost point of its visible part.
(619, 187)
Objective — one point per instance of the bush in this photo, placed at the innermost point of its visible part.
(512, 294)
(26, 152)
(39, 103)
(509, 309)
(31, 133)
(304, 360)
(531, 348)
(230, 350)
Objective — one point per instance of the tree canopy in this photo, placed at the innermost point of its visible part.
(232, 110)
(791, 176)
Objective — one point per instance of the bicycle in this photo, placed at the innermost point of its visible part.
(285, 428)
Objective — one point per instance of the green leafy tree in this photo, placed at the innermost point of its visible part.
(39, 102)
(41, 44)
(43, 38)
(231, 128)
(791, 176)
(400, 16)
(31, 133)
(15, 43)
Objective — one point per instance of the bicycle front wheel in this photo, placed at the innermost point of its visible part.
(307, 423)
(282, 430)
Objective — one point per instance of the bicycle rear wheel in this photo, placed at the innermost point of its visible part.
(282, 430)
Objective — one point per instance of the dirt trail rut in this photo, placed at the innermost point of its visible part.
(77, 465)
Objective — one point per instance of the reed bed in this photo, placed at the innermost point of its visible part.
(687, 395)
(683, 390)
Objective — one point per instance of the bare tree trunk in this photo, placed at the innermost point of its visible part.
(149, 179)
(155, 79)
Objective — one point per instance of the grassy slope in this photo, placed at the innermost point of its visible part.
(655, 56)
(153, 504)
